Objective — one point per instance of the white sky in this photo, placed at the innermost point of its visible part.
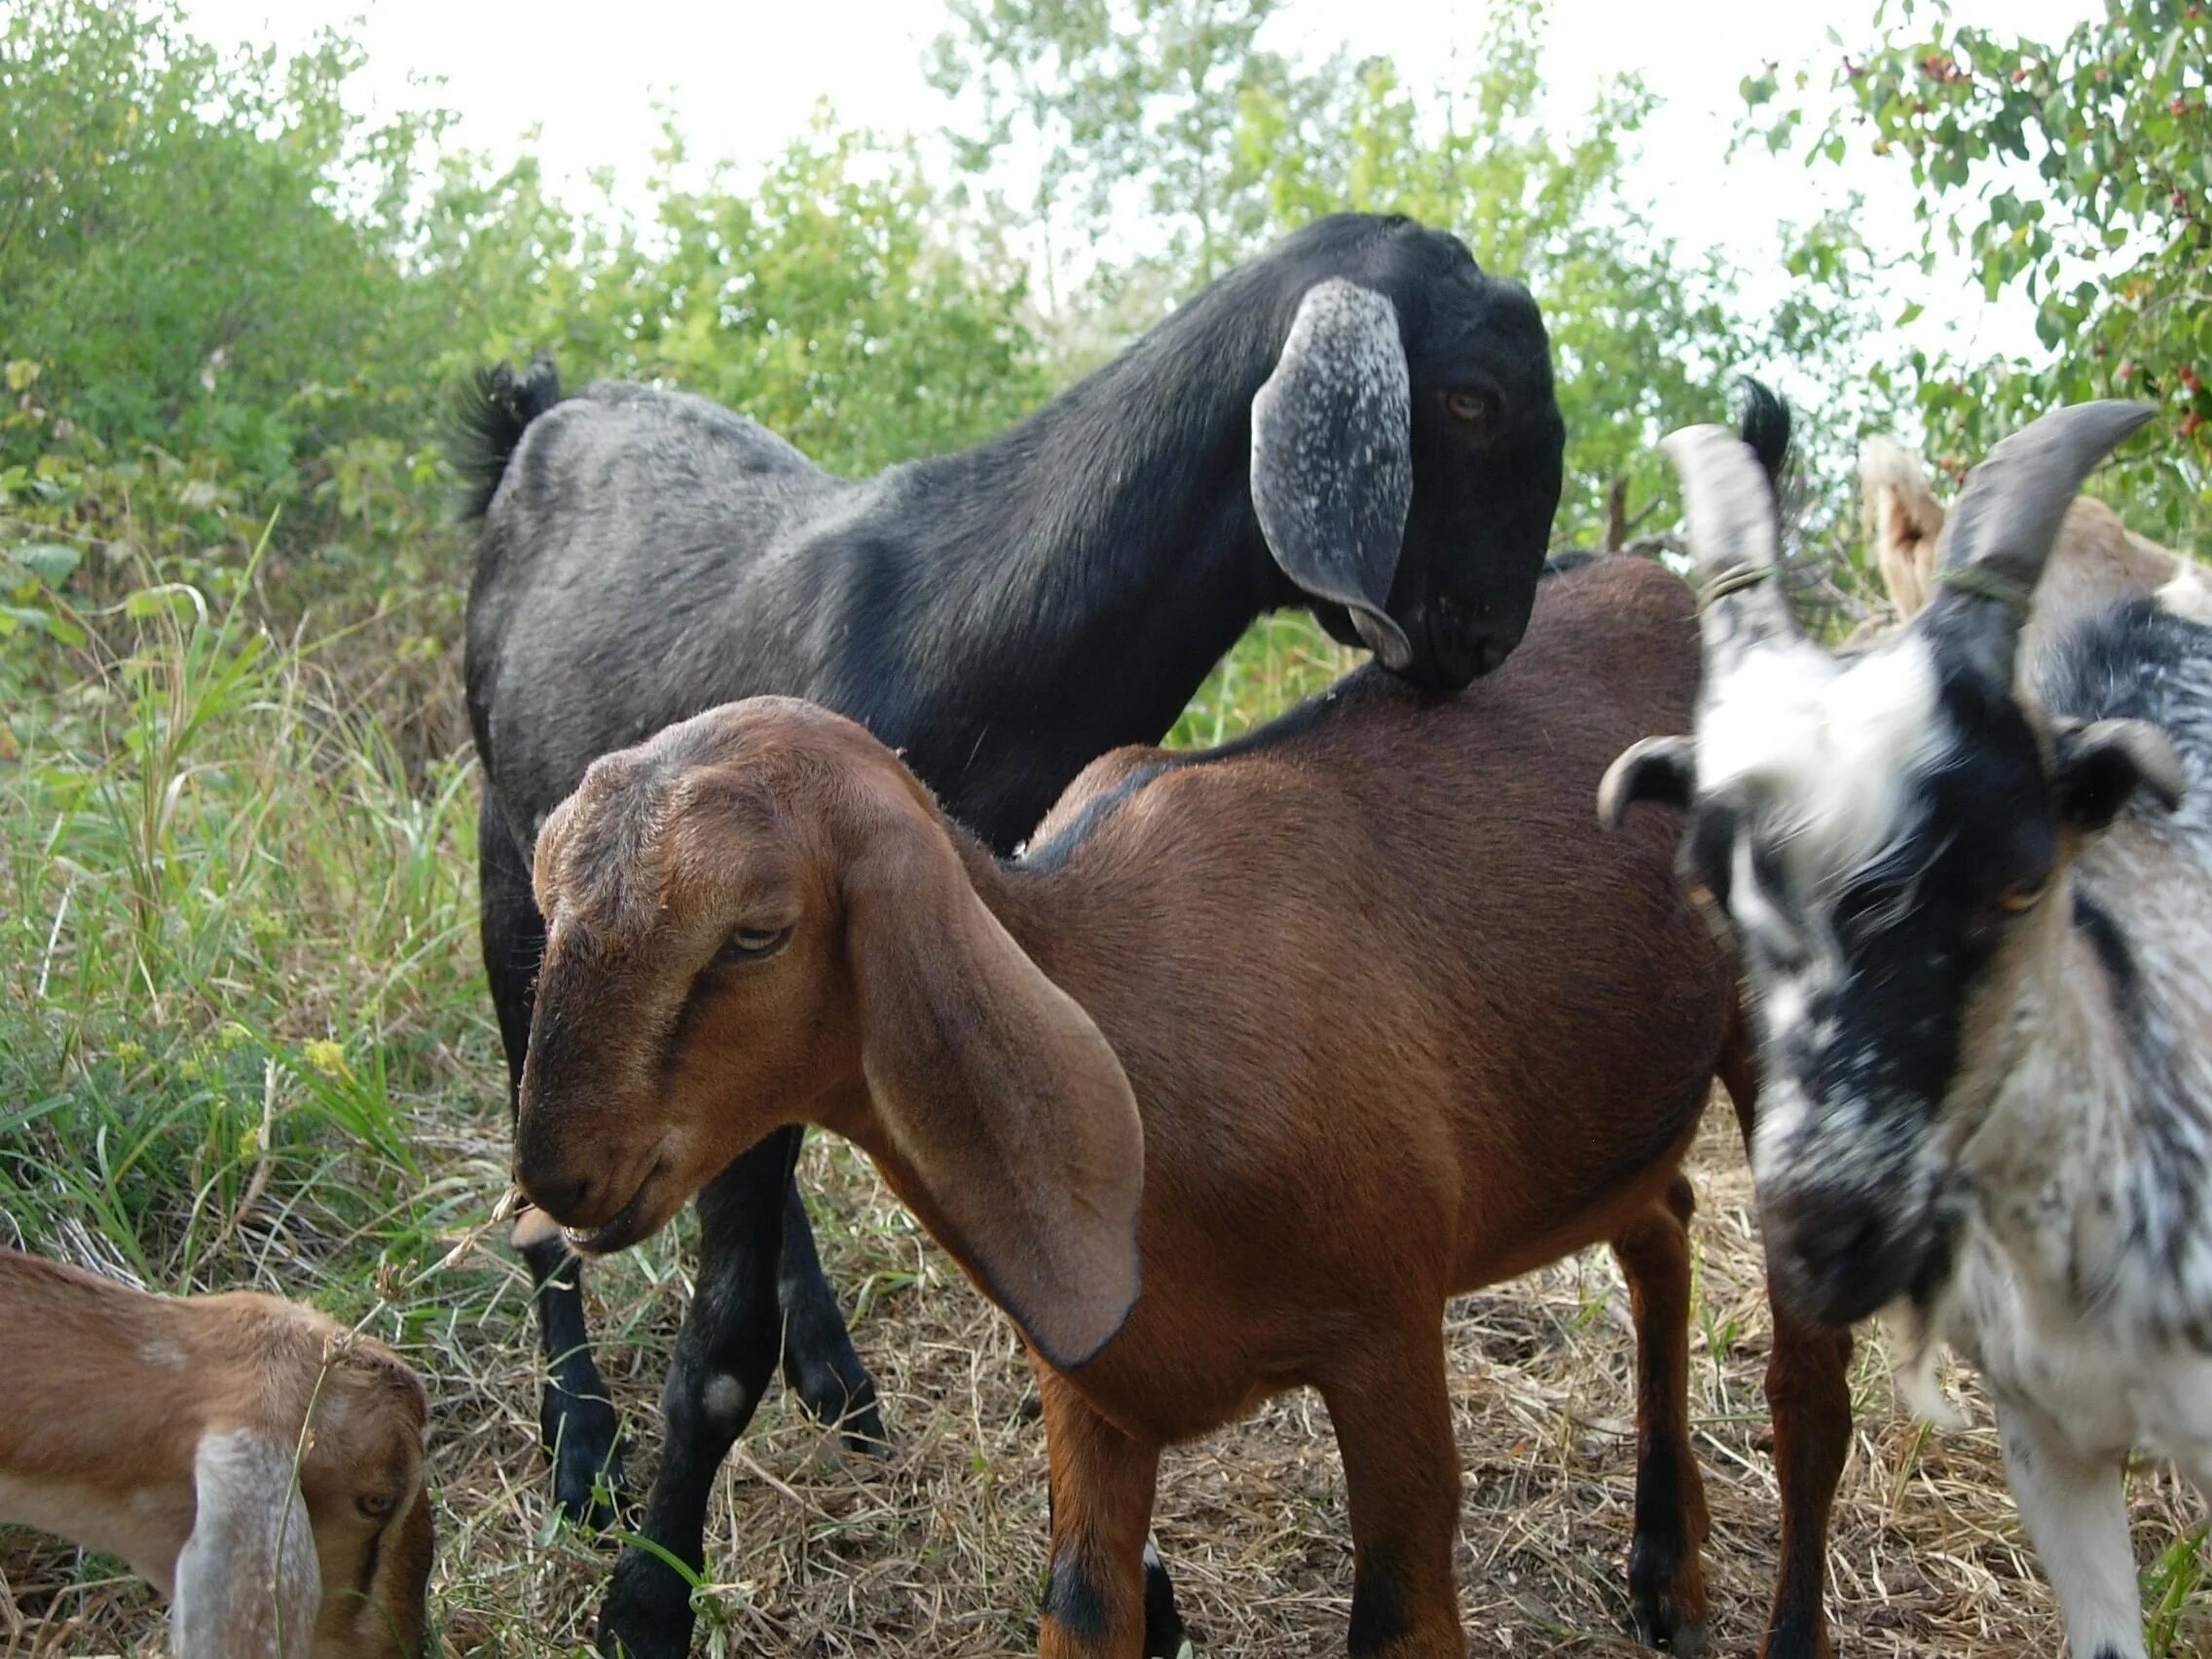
(743, 76)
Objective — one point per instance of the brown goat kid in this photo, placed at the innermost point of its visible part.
(169, 1431)
(1300, 1036)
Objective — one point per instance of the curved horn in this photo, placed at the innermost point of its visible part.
(1735, 542)
(2002, 527)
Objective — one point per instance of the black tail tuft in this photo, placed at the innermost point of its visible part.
(489, 418)
(1766, 429)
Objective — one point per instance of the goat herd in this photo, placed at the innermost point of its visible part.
(809, 801)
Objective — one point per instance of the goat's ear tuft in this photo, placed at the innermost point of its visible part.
(1332, 457)
(1662, 770)
(1000, 1093)
(2103, 765)
(247, 1582)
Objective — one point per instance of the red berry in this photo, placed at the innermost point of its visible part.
(2191, 421)
(2019, 75)
(2127, 371)
(2188, 377)
(2179, 199)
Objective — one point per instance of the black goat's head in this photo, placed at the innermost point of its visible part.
(1406, 452)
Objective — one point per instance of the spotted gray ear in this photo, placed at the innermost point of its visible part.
(1332, 457)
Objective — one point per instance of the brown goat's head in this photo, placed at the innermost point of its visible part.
(341, 1439)
(760, 918)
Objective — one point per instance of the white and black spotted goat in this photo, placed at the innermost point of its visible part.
(1976, 922)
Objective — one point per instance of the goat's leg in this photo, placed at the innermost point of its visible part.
(2076, 1512)
(725, 1353)
(1808, 1397)
(1394, 1423)
(1101, 1491)
(576, 1421)
(1666, 1572)
(820, 1365)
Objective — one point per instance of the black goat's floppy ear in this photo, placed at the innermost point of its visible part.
(1332, 457)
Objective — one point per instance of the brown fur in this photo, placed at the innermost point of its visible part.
(1375, 1009)
(2095, 560)
(115, 1397)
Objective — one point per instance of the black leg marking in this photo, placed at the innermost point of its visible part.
(1072, 1602)
(1164, 1631)
(1378, 1605)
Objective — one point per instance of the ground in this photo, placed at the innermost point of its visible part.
(940, 1550)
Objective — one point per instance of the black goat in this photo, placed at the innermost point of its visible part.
(1360, 421)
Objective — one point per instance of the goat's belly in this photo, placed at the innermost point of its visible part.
(145, 1528)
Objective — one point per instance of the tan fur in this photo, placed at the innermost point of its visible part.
(2095, 560)
(123, 1406)
(1397, 1017)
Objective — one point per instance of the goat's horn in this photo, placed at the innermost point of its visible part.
(2001, 529)
(1735, 542)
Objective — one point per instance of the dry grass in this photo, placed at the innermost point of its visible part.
(939, 1551)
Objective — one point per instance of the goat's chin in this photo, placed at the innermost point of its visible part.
(650, 1207)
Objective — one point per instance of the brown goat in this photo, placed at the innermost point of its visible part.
(1302, 1035)
(2095, 560)
(251, 1458)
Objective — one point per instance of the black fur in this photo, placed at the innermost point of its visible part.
(489, 418)
(1003, 616)
(1765, 427)
(1378, 1606)
(1071, 1601)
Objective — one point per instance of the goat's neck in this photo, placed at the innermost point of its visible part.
(2090, 1168)
(1115, 527)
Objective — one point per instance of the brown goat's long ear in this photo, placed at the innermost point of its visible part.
(247, 1582)
(998, 1091)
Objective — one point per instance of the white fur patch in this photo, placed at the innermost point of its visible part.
(1829, 745)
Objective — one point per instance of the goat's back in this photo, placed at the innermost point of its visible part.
(1379, 965)
(626, 536)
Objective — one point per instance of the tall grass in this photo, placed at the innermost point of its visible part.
(240, 958)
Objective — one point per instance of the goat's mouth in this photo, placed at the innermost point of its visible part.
(635, 1221)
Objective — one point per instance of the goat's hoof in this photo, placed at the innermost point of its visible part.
(848, 1403)
(586, 1449)
(648, 1611)
(1668, 1614)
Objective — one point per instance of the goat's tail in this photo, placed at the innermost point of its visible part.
(489, 418)
(1765, 427)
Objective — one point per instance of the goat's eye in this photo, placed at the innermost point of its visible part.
(376, 1505)
(1467, 408)
(2021, 895)
(750, 944)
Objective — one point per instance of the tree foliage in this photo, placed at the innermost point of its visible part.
(2077, 174)
(1229, 144)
